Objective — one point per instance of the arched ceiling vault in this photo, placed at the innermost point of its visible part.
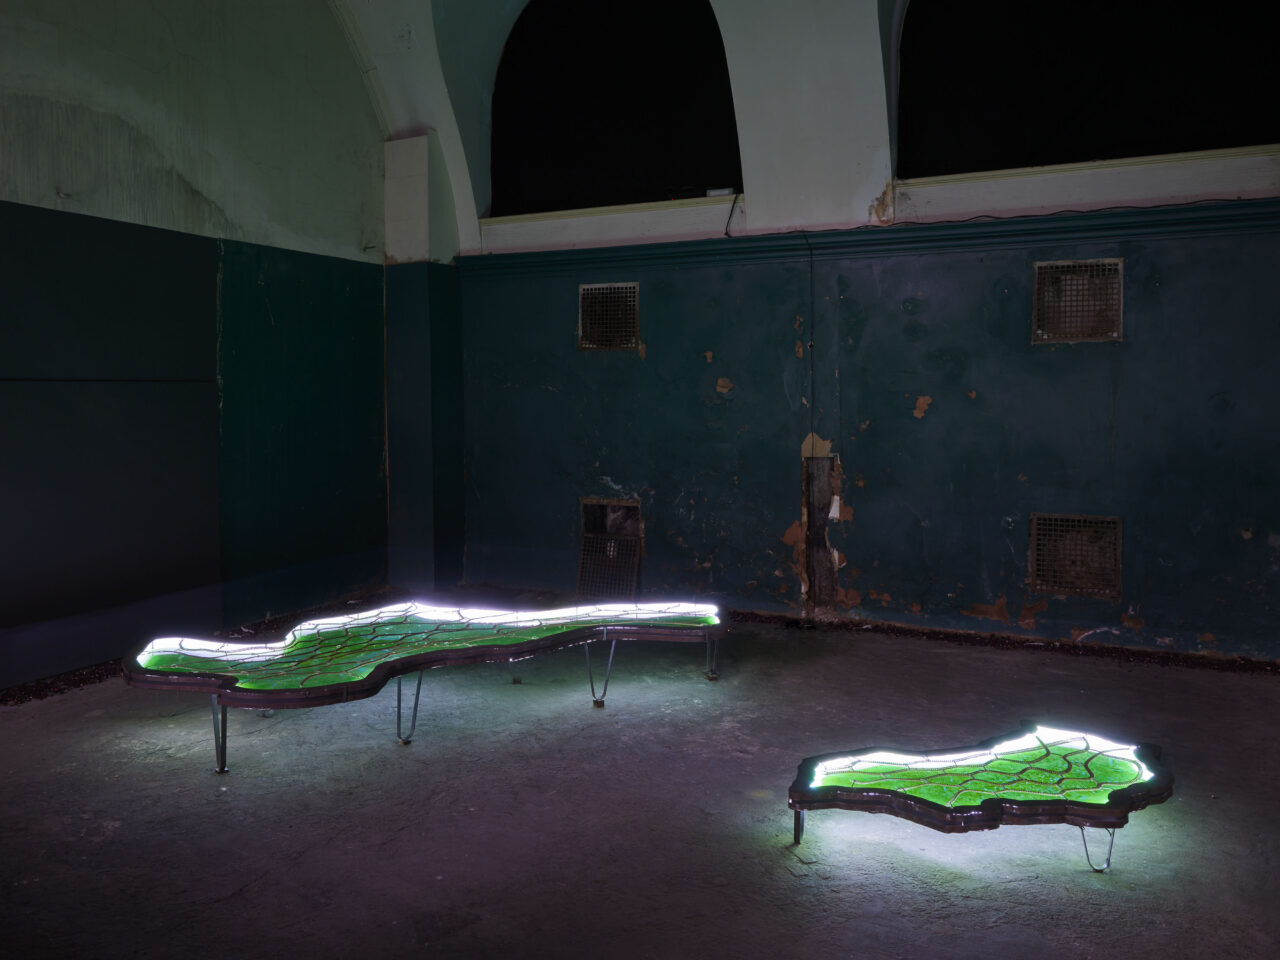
(808, 80)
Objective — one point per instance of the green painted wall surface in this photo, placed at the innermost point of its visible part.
(300, 367)
(108, 427)
(950, 427)
(226, 119)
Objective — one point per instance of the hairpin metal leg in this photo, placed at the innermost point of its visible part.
(406, 738)
(712, 657)
(599, 701)
(219, 735)
(1102, 869)
(798, 829)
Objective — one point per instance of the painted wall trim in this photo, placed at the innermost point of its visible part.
(1234, 174)
(1242, 173)
(624, 224)
(1233, 217)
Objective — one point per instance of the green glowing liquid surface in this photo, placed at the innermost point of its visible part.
(1048, 772)
(349, 652)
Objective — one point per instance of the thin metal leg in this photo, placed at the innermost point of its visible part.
(599, 701)
(1102, 869)
(712, 671)
(219, 735)
(798, 830)
(406, 738)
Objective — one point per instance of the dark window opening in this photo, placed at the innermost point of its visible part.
(1007, 83)
(597, 104)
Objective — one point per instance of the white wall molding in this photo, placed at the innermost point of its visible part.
(699, 218)
(1245, 173)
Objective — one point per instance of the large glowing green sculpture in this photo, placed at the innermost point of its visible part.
(342, 658)
(1039, 775)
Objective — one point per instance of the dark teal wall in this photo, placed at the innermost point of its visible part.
(300, 362)
(424, 426)
(1172, 429)
(191, 434)
(108, 437)
(547, 424)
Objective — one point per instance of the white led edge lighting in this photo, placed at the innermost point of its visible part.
(212, 649)
(508, 618)
(1031, 741)
(259, 652)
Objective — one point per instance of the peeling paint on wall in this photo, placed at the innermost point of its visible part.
(922, 405)
(794, 538)
(841, 509)
(815, 446)
(990, 611)
(847, 597)
(881, 209)
(1027, 618)
(723, 384)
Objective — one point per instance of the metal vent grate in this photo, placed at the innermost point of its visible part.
(1074, 555)
(609, 561)
(609, 316)
(1077, 300)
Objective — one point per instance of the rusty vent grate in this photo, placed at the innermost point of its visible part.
(609, 561)
(1077, 300)
(1074, 555)
(609, 316)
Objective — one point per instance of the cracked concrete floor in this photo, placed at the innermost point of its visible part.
(522, 822)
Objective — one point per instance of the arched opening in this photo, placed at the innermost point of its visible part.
(1007, 83)
(597, 104)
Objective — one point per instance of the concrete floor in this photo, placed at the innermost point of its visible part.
(524, 823)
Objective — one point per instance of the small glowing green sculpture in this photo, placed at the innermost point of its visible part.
(1039, 775)
(1046, 764)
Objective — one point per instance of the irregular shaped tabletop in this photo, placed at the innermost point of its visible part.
(348, 657)
(1037, 775)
